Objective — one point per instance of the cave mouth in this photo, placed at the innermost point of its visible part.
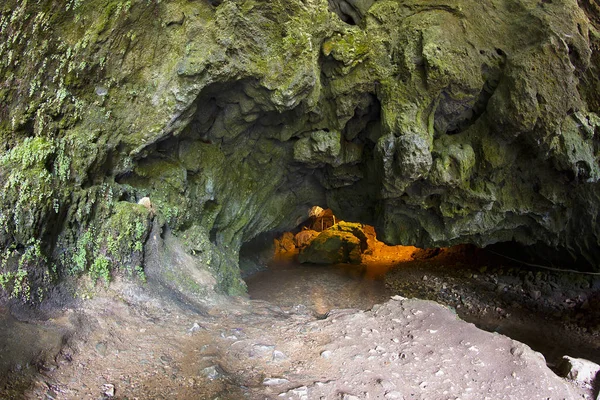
(555, 313)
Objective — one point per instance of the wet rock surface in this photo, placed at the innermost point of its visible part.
(332, 247)
(555, 313)
(342, 242)
(154, 348)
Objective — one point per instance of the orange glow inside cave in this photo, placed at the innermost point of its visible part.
(377, 256)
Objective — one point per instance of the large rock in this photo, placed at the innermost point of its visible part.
(364, 233)
(332, 247)
(579, 370)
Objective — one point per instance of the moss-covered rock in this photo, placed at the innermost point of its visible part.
(332, 247)
(441, 123)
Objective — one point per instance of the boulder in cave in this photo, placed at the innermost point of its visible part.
(334, 246)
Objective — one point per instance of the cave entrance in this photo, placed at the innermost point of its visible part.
(327, 264)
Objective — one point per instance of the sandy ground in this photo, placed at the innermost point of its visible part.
(132, 343)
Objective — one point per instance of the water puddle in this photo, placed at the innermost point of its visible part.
(320, 287)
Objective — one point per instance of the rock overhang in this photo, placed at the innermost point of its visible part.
(439, 123)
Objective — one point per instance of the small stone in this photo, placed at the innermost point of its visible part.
(165, 359)
(347, 396)
(300, 393)
(108, 390)
(101, 349)
(425, 278)
(279, 356)
(211, 372)
(387, 385)
(194, 328)
(275, 381)
(326, 353)
(394, 395)
(101, 91)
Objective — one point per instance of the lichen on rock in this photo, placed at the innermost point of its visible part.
(441, 123)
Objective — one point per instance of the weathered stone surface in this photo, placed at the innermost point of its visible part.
(332, 247)
(439, 122)
(324, 220)
(358, 230)
(303, 238)
(287, 242)
(579, 370)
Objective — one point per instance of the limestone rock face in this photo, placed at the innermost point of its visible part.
(437, 122)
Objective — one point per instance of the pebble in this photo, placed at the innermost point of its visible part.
(165, 359)
(194, 328)
(211, 372)
(387, 385)
(108, 390)
(101, 91)
(326, 354)
(279, 356)
(275, 381)
(299, 392)
(101, 349)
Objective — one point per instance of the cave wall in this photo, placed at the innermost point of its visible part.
(440, 122)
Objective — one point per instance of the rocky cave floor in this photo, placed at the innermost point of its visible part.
(131, 342)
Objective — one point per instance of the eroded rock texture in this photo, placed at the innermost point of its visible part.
(440, 122)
